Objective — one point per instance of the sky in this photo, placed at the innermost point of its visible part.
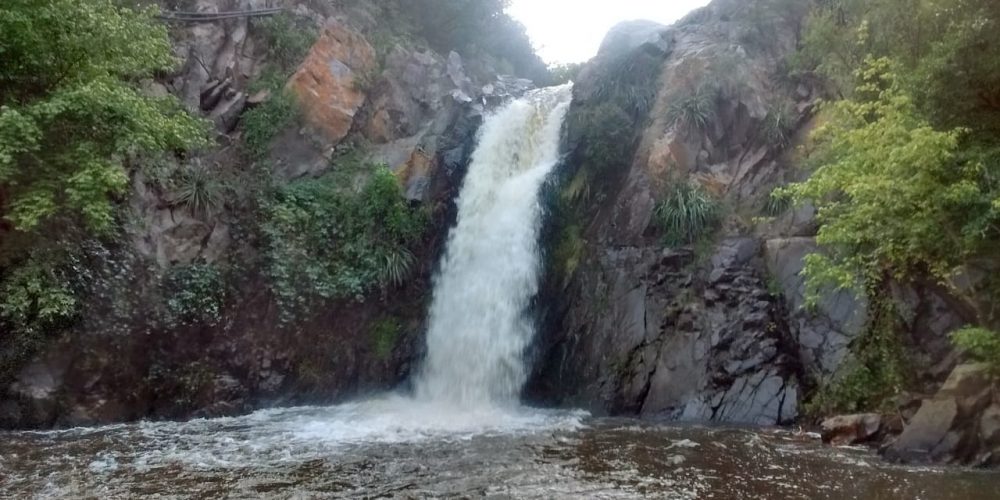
(566, 31)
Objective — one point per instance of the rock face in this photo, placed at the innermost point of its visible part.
(327, 83)
(959, 425)
(718, 330)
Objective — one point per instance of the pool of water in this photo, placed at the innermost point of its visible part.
(396, 448)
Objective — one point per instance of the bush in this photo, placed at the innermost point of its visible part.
(199, 189)
(195, 294)
(326, 241)
(264, 122)
(36, 297)
(778, 126)
(288, 38)
(778, 202)
(687, 214)
(695, 110)
(982, 344)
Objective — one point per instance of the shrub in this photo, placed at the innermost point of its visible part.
(288, 38)
(982, 344)
(695, 110)
(686, 214)
(326, 241)
(194, 294)
(263, 123)
(37, 296)
(198, 189)
(778, 202)
(778, 126)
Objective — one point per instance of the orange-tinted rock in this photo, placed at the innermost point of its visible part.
(325, 86)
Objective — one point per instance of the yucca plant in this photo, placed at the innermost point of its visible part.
(198, 189)
(395, 265)
(686, 214)
(777, 203)
(778, 126)
(693, 111)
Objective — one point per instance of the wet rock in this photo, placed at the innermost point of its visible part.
(957, 425)
(35, 393)
(851, 429)
(989, 426)
(824, 333)
(325, 86)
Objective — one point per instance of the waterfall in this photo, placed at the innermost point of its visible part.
(478, 329)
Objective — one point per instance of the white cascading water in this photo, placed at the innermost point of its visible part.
(478, 330)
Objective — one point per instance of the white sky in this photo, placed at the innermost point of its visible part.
(566, 31)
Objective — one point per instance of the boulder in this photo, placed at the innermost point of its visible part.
(326, 84)
(958, 425)
(851, 429)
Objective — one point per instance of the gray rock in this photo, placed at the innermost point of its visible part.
(633, 35)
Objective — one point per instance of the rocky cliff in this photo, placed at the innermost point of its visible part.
(359, 86)
(714, 328)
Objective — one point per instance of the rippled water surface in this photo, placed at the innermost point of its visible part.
(395, 448)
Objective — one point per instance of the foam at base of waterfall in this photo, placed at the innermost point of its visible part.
(296, 435)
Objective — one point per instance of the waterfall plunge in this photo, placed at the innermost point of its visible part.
(478, 330)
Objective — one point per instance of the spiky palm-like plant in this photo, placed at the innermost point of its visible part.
(686, 214)
(395, 265)
(693, 111)
(198, 189)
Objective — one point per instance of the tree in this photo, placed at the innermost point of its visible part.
(895, 197)
(71, 116)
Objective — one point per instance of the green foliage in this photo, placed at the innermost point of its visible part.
(892, 192)
(606, 135)
(325, 241)
(385, 334)
(264, 122)
(37, 297)
(876, 373)
(779, 124)
(693, 111)
(778, 202)
(686, 214)
(287, 37)
(199, 189)
(72, 116)
(70, 110)
(195, 294)
(565, 73)
(980, 343)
